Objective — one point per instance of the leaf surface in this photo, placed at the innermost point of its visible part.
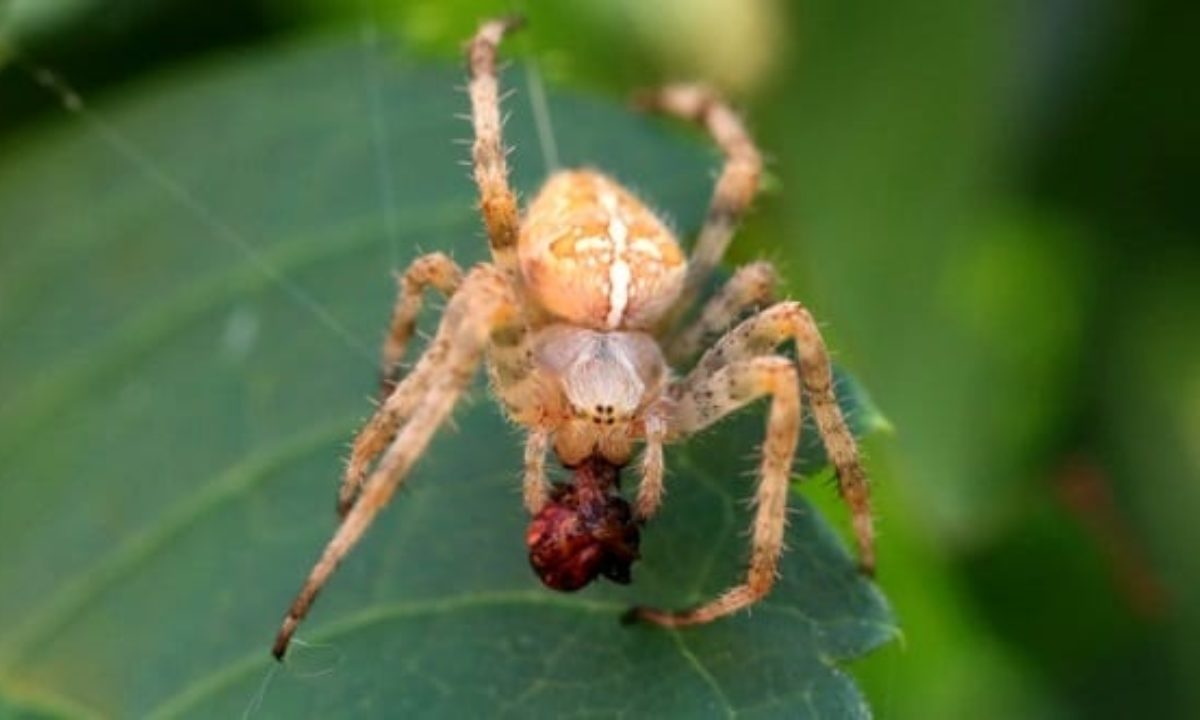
(193, 281)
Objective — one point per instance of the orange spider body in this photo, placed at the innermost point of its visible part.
(581, 320)
(595, 256)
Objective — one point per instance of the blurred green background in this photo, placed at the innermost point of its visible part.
(992, 207)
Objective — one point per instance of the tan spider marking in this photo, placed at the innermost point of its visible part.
(597, 255)
(571, 318)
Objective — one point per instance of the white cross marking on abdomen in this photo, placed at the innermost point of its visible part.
(619, 275)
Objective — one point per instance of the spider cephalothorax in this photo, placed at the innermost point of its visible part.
(577, 318)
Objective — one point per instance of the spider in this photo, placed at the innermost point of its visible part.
(578, 319)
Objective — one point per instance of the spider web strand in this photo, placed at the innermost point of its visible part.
(131, 153)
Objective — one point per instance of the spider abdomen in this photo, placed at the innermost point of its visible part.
(594, 255)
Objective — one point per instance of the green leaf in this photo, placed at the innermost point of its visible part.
(192, 285)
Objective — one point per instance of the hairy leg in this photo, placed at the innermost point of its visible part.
(483, 307)
(497, 202)
(510, 369)
(434, 270)
(379, 430)
(710, 399)
(534, 488)
(763, 333)
(752, 286)
(737, 184)
(650, 491)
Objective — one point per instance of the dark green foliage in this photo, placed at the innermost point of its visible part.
(175, 410)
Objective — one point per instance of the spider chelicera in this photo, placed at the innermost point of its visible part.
(577, 317)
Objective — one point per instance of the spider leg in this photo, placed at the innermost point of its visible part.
(378, 432)
(752, 286)
(736, 186)
(650, 491)
(381, 428)
(435, 270)
(705, 402)
(762, 333)
(534, 487)
(497, 202)
(484, 308)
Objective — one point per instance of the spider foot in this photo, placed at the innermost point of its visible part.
(689, 101)
(515, 21)
(495, 29)
(640, 614)
(632, 616)
(284, 638)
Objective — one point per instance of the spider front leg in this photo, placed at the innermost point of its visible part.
(761, 334)
(378, 432)
(703, 403)
(497, 201)
(439, 271)
(483, 310)
(434, 270)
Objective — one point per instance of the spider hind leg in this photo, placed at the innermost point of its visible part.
(737, 184)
